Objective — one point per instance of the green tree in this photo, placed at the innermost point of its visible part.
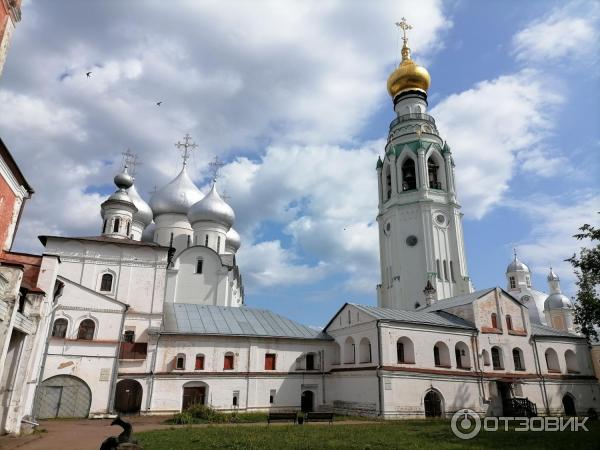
(587, 270)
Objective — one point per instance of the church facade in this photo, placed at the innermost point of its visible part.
(149, 316)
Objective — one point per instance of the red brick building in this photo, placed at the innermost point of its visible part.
(10, 14)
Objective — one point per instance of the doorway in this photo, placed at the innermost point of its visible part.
(569, 405)
(433, 404)
(307, 401)
(63, 396)
(193, 395)
(128, 397)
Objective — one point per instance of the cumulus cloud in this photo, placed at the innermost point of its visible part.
(567, 32)
(488, 124)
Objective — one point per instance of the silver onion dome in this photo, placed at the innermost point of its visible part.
(148, 233)
(557, 301)
(233, 240)
(144, 213)
(517, 266)
(123, 180)
(176, 197)
(552, 276)
(212, 208)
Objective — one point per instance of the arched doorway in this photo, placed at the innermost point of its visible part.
(433, 404)
(63, 396)
(307, 401)
(194, 393)
(128, 397)
(569, 405)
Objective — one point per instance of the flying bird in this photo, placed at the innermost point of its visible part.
(88, 74)
(159, 103)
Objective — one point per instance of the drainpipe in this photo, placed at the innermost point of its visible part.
(152, 375)
(248, 372)
(56, 295)
(538, 369)
(115, 369)
(322, 362)
(475, 344)
(379, 367)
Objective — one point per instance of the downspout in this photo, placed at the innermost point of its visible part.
(322, 362)
(475, 344)
(379, 367)
(538, 368)
(152, 375)
(57, 293)
(248, 373)
(115, 369)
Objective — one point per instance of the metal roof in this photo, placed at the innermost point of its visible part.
(542, 330)
(459, 300)
(186, 318)
(419, 317)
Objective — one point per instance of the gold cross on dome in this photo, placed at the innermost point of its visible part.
(403, 25)
(215, 167)
(187, 147)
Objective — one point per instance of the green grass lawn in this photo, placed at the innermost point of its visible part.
(422, 434)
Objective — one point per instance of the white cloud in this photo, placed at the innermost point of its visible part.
(543, 163)
(569, 31)
(487, 125)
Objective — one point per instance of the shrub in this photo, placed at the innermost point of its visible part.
(183, 418)
(206, 413)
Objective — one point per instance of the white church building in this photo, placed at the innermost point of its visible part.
(150, 316)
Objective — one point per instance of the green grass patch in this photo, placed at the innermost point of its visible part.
(408, 434)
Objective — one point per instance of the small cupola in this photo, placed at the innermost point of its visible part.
(118, 210)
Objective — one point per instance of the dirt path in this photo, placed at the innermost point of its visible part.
(88, 434)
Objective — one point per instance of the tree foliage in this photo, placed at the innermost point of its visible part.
(587, 270)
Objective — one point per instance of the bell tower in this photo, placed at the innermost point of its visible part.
(420, 224)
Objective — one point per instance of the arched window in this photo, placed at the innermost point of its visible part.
(206, 240)
(433, 404)
(571, 360)
(513, 282)
(497, 360)
(336, 353)
(518, 359)
(486, 357)
(199, 362)
(218, 244)
(509, 325)
(388, 183)
(349, 351)
(463, 356)
(228, 363)
(116, 225)
(180, 362)
(364, 350)
(552, 360)
(432, 172)
(494, 320)
(409, 179)
(104, 226)
(452, 272)
(439, 272)
(106, 282)
(59, 329)
(569, 405)
(128, 227)
(528, 280)
(446, 271)
(86, 330)
(441, 355)
(405, 351)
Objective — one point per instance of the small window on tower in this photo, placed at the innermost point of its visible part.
(128, 227)
(218, 244)
(446, 271)
(528, 281)
(199, 264)
(513, 282)
(106, 282)
(116, 225)
(388, 183)
(206, 240)
(437, 267)
(409, 180)
(452, 272)
(104, 226)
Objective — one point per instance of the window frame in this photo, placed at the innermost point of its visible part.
(66, 327)
(103, 277)
(199, 359)
(229, 356)
(199, 266)
(80, 331)
(180, 357)
(270, 361)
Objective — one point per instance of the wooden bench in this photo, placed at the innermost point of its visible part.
(282, 416)
(319, 417)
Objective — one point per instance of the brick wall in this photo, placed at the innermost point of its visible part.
(8, 213)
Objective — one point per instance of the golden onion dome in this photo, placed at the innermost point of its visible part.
(408, 76)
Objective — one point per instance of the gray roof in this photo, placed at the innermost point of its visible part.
(418, 317)
(185, 318)
(542, 330)
(459, 300)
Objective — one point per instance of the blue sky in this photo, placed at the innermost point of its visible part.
(292, 96)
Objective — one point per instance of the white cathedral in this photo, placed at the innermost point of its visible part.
(150, 316)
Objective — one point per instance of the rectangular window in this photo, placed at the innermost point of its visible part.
(129, 336)
(437, 267)
(228, 362)
(458, 358)
(513, 283)
(310, 362)
(270, 361)
(199, 362)
(218, 244)
(180, 362)
(272, 396)
(400, 352)
(199, 264)
(236, 395)
(206, 241)
(452, 272)
(509, 323)
(446, 271)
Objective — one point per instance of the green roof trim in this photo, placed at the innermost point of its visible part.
(379, 163)
(414, 146)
